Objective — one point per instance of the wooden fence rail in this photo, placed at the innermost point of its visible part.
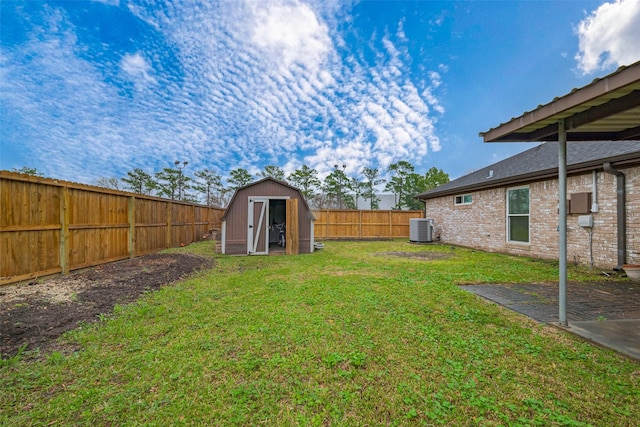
(49, 226)
(348, 224)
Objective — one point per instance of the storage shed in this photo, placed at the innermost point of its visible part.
(260, 214)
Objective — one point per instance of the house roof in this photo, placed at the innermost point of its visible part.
(606, 109)
(235, 193)
(541, 162)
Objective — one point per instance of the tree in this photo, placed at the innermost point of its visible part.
(373, 179)
(349, 201)
(306, 180)
(330, 190)
(272, 171)
(406, 184)
(400, 170)
(357, 188)
(336, 184)
(27, 171)
(108, 183)
(169, 180)
(435, 177)
(183, 182)
(239, 178)
(209, 184)
(320, 200)
(414, 184)
(138, 181)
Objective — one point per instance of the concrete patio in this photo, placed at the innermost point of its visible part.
(607, 314)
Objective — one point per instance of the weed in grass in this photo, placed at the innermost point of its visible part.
(207, 345)
(530, 349)
(411, 413)
(250, 362)
(333, 359)
(357, 359)
(55, 358)
(346, 374)
(102, 317)
(10, 361)
(439, 407)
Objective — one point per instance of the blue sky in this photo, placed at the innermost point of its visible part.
(95, 89)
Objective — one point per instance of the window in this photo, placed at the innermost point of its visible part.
(518, 214)
(464, 199)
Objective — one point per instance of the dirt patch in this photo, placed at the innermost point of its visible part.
(36, 314)
(417, 255)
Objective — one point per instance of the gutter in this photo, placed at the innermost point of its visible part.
(621, 214)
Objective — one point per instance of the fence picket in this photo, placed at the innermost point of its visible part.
(346, 224)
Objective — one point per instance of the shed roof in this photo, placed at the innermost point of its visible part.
(606, 109)
(306, 205)
(540, 162)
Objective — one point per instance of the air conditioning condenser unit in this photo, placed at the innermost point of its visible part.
(421, 230)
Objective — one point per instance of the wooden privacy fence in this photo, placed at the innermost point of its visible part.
(49, 226)
(348, 224)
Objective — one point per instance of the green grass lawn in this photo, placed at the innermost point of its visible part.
(344, 336)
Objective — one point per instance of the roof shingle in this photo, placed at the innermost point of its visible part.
(537, 163)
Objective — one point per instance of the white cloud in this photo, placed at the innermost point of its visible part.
(610, 36)
(435, 78)
(292, 33)
(138, 69)
(438, 20)
(400, 33)
(54, 106)
(115, 3)
(249, 84)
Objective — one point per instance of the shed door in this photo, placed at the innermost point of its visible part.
(257, 242)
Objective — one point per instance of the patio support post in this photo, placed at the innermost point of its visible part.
(562, 221)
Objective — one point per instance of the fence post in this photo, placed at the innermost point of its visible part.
(326, 229)
(169, 221)
(360, 228)
(132, 226)
(390, 225)
(193, 224)
(64, 230)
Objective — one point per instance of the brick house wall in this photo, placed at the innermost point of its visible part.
(482, 224)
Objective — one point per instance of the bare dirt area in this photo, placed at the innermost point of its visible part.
(416, 255)
(35, 314)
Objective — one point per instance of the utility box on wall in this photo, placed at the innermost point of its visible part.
(580, 203)
(585, 221)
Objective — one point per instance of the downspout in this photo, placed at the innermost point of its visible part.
(594, 205)
(621, 214)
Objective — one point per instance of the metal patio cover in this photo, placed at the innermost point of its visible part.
(607, 109)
